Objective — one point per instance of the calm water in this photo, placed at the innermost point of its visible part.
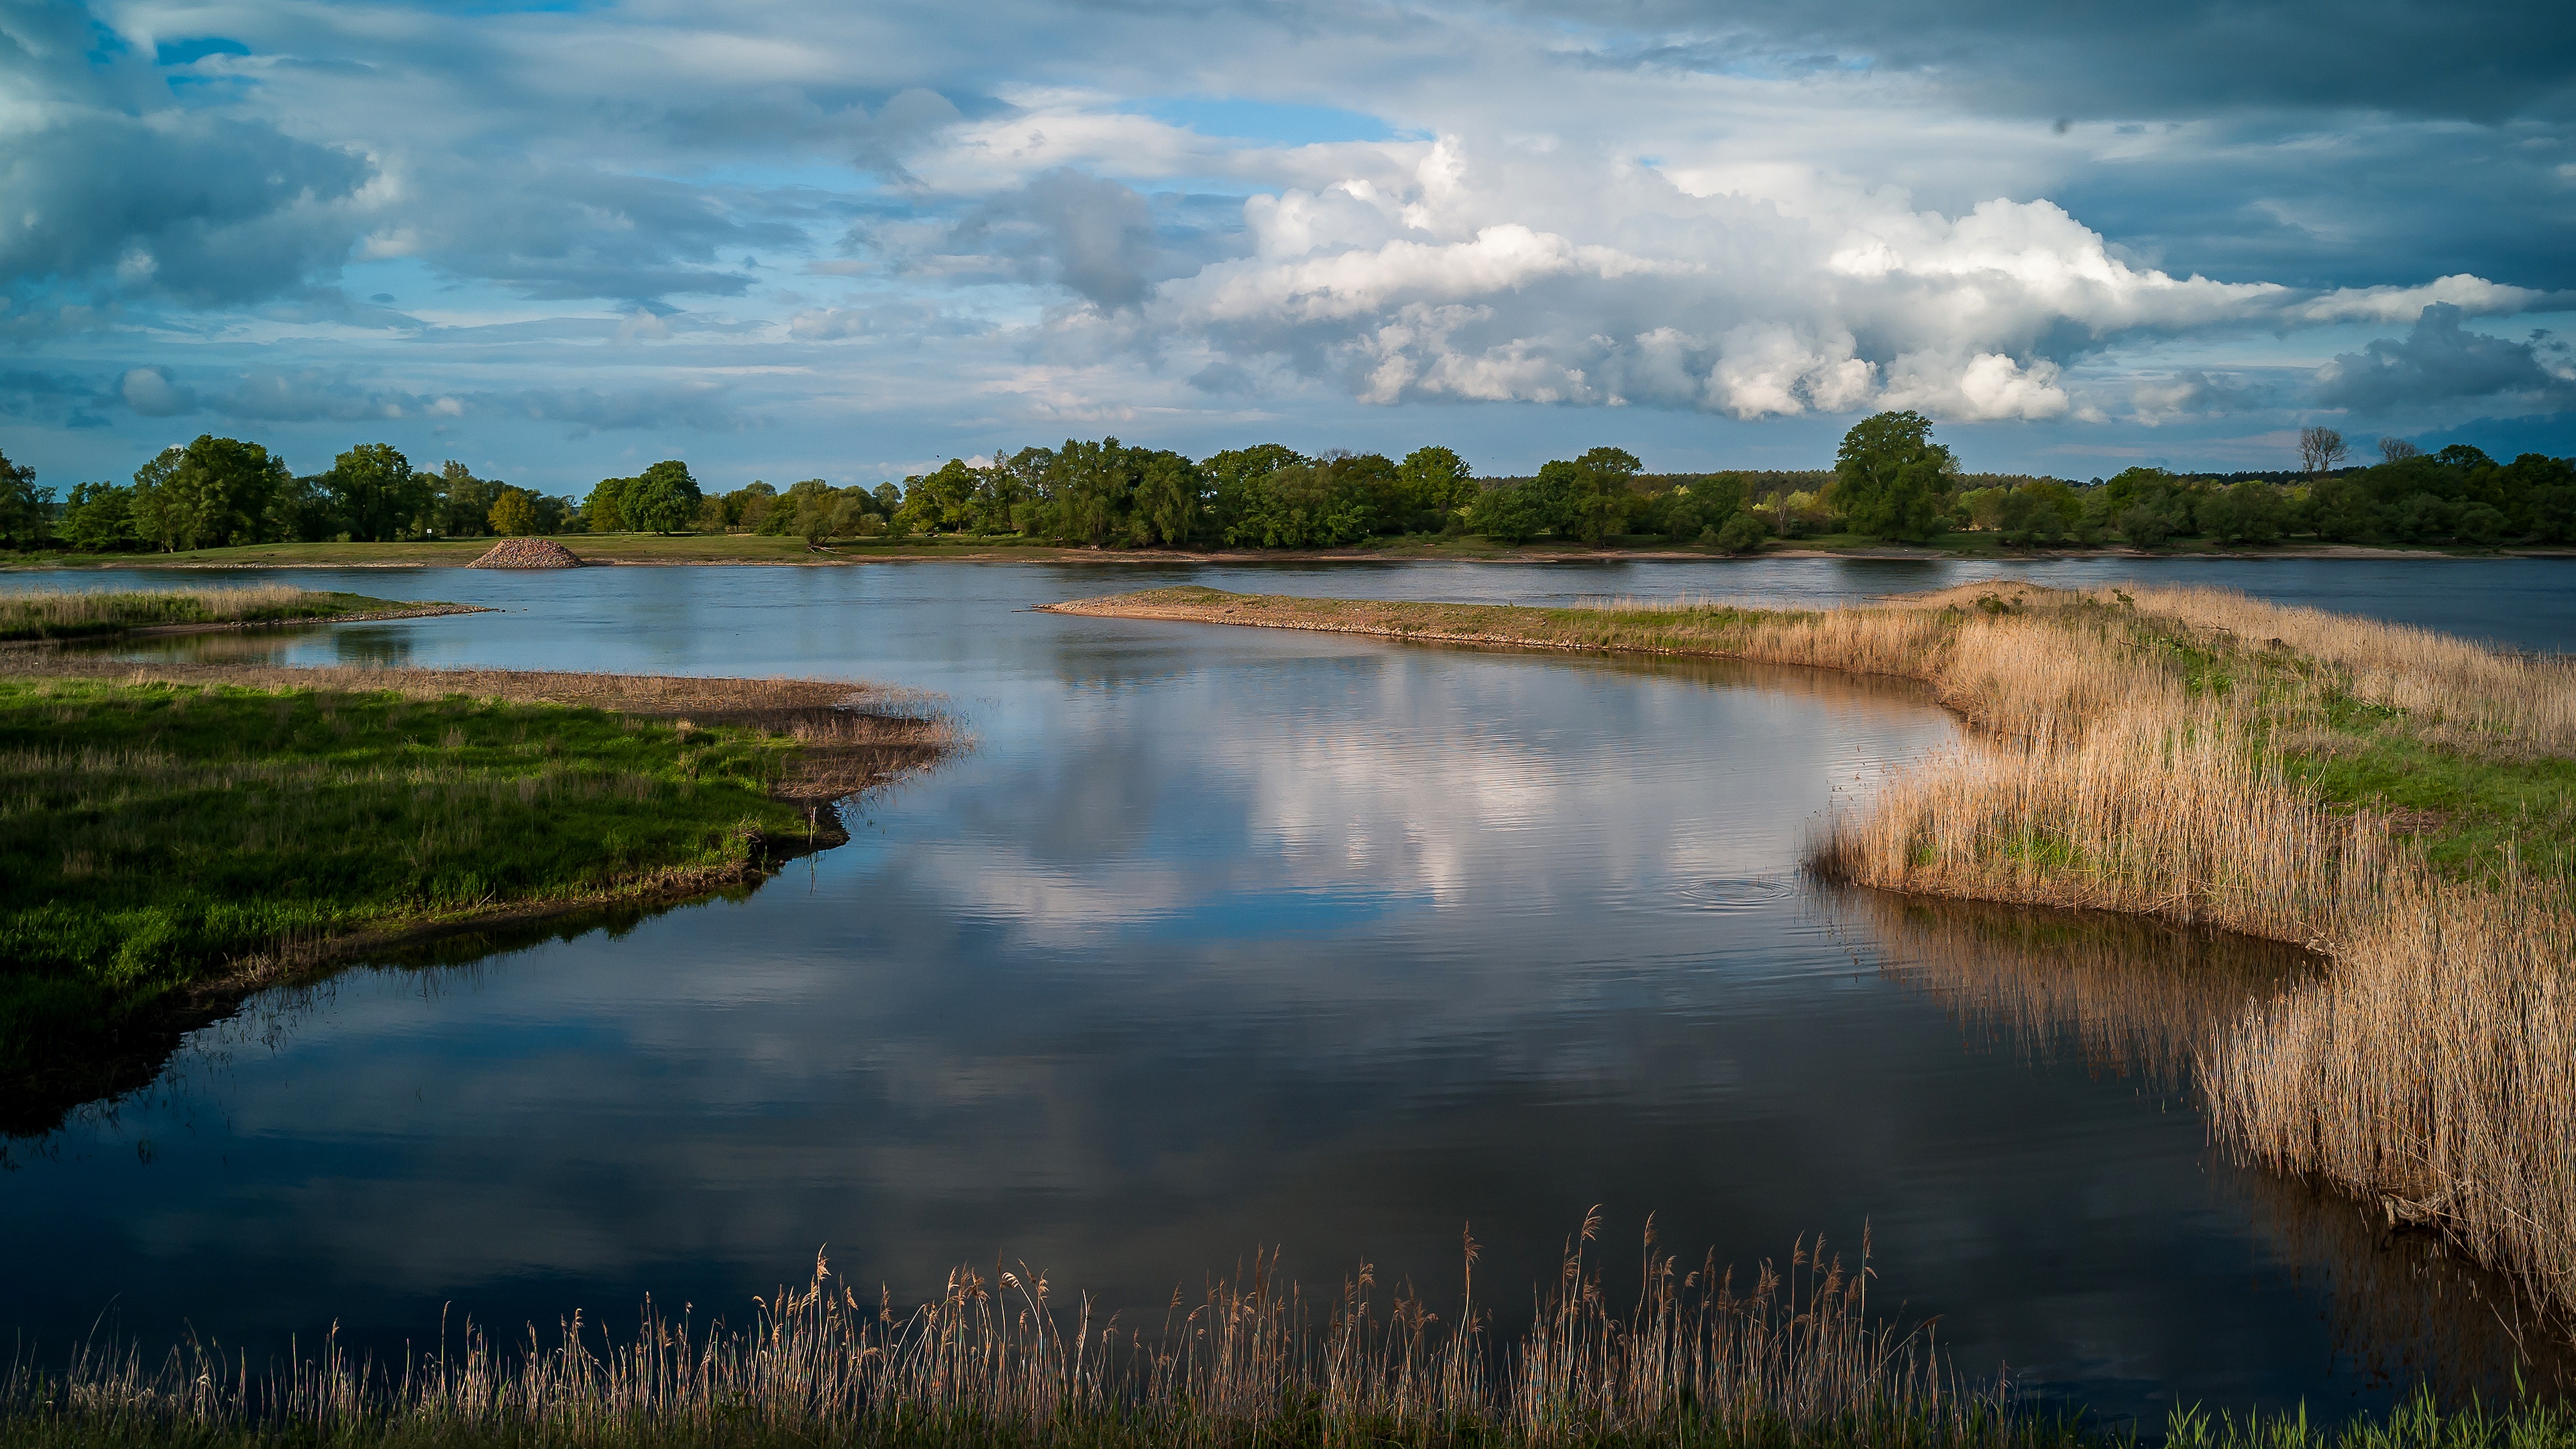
(1229, 938)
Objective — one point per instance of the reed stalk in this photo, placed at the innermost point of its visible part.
(1794, 1358)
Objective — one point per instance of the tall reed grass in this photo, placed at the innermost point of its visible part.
(1793, 1357)
(77, 613)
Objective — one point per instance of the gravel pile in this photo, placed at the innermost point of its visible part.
(527, 553)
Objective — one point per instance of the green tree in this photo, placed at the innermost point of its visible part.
(1432, 485)
(1889, 477)
(514, 513)
(1170, 500)
(663, 499)
(2249, 512)
(376, 491)
(605, 510)
(213, 493)
(1742, 533)
(25, 511)
(99, 518)
(1598, 495)
(1508, 513)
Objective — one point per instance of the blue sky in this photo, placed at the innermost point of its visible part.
(817, 240)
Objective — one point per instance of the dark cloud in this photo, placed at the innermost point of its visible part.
(2095, 59)
(560, 232)
(701, 406)
(114, 187)
(1092, 236)
(2441, 361)
(905, 121)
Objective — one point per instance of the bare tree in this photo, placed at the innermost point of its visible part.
(2397, 450)
(2320, 449)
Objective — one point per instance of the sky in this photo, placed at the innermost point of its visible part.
(784, 239)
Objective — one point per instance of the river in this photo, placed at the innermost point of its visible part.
(1226, 939)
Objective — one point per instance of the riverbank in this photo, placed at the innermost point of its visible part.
(2400, 801)
(175, 836)
(1786, 1357)
(741, 548)
(47, 615)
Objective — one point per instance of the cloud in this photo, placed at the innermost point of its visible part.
(114, 188)
(149, 391)
(2193, 392)
(1091, 236)
(1738, 226)
(2441, 360)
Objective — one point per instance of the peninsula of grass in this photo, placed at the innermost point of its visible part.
(2400, 801)
(175, 836)
(49, 614)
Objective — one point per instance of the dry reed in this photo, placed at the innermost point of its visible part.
(1794, 1358)
(46, 614)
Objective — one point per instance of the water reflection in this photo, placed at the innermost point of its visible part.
(2126, 997)
(2138, 999)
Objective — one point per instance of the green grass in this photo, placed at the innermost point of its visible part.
(151, 833)
(77, 614)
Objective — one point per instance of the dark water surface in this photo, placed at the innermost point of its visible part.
(1225, 938)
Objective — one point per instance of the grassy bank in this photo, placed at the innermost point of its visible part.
(41, 614)
(2396, 799)
(173, 832)
(1699, 1358)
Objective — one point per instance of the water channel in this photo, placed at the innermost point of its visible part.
(1222, 939)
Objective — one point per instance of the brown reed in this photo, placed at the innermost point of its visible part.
(1796, 1356)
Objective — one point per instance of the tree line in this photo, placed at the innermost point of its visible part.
(1890, 481)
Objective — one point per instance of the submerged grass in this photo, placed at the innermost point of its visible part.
(168, 830)
(80, 614)
(2393, 798)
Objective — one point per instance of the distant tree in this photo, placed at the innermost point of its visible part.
(1434, 483)
(461, 504)
(605, 510)
(303, 510)
(2144, 524)
(25, 511)
(1598, 493)
(2248, 512)
(1742, 533)
(664, 499)
(2397, 450)
(376, 491)
(514, 513)
(2320, 450)
(2341, 511)
(1889, 476)
(1507, 514)
(1170, 500)
(99, 518)
(212, 493)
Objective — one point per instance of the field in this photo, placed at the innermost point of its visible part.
(174, 832)
(73, 614)
(2391, 798)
